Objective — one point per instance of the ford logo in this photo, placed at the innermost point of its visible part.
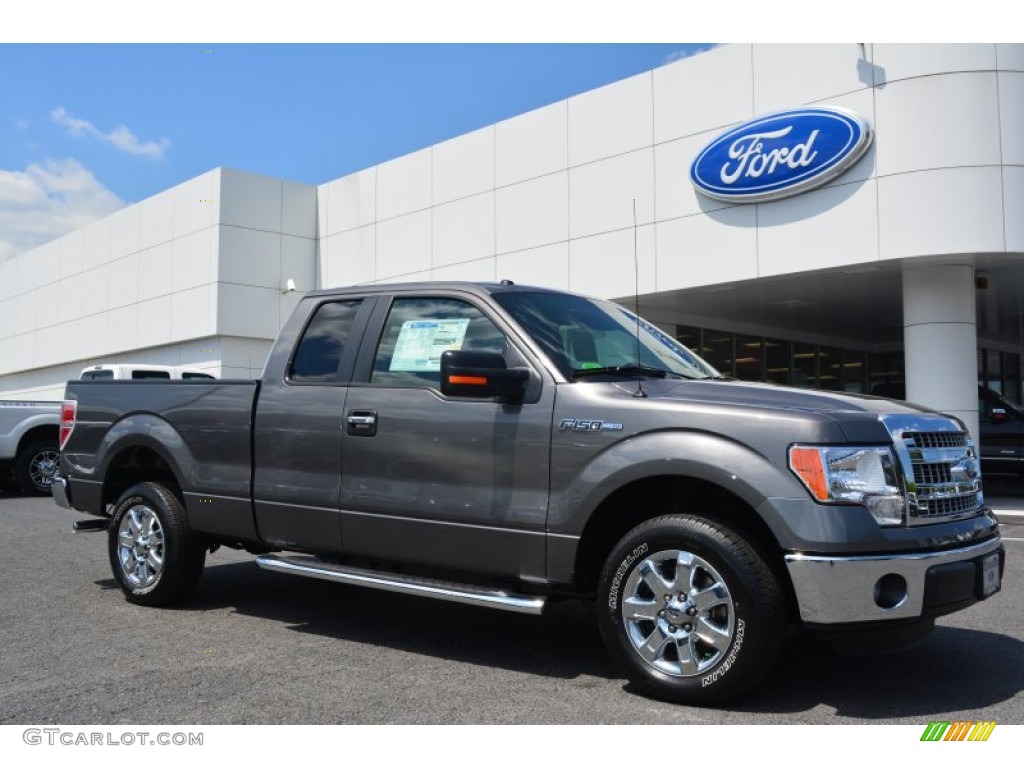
(781, 154)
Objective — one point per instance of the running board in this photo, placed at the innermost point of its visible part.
(409, 585)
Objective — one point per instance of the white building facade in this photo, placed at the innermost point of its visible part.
(907, 267)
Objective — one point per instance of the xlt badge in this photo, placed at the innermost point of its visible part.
(588, 425)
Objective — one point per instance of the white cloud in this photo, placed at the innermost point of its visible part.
(46, 201)
(121, 138)
(686, 53)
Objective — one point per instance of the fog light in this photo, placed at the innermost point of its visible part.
(890, 591)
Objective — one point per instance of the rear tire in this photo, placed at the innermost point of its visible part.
(690, 611)
(36, 466)
(155, 558)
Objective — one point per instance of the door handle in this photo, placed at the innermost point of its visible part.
(361, 423)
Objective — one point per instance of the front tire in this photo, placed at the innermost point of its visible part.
(690, 611)
(155, 558)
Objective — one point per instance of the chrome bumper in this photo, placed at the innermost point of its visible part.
(837, 590)
(59, 488)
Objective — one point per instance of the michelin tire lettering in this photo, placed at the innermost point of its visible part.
(781, 154)
(729, 660)
(624, 566)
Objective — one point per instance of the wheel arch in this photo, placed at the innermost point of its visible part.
(143, 447)
(38, 432)
(650, 497)
(138, 463)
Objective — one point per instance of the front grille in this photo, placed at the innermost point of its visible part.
(946, 507)
(946, 480)
(936, 439)
(931, 474)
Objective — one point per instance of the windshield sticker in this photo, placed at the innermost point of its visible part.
(421, 342)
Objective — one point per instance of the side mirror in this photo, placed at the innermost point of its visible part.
(481, 375)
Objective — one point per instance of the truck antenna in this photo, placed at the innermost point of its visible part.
(636, 309)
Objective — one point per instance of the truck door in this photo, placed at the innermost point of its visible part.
(298, 427)
(459, 483)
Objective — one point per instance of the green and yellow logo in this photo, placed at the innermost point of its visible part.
(958, 730)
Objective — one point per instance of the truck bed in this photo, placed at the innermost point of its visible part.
(200, 429)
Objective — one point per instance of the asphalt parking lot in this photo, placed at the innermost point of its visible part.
(258, 647)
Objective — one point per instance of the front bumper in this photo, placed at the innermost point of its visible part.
(840, 590)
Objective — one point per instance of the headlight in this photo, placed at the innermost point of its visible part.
(852, 475)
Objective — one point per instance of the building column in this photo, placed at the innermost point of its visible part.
(940, 340)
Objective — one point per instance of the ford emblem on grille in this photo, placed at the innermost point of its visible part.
(781, 154)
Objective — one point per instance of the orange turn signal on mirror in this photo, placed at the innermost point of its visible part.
(807, 464)
(477, 381)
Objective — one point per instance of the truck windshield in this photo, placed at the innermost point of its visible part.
(591, 338)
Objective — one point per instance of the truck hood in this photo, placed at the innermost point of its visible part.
(744, 394)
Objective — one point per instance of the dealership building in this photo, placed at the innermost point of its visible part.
(894, 264)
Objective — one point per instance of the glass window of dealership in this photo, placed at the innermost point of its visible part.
(815, 366)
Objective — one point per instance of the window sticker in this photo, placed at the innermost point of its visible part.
(421, 342)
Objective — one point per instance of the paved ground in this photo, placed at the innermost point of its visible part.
(255, 647)
(1006, 497)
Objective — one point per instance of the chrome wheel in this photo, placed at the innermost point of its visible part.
(678, 613)
(140, 549)
(42, 468)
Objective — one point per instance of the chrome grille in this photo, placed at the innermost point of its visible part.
(937, 439)
(946, 507)
(947, 482)
(929, 474)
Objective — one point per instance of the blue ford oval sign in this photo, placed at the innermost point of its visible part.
(781, 154)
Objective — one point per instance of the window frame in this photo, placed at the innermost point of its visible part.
(357, 333)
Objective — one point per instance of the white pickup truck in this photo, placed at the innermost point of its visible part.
(146, 371)
(28, 445)
(29, 429)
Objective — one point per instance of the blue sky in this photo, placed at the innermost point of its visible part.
(102, 103)
(88, 128)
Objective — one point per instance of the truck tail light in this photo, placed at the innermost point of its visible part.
(68, 414)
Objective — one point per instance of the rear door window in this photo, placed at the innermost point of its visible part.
(319, 352)
(143, 374)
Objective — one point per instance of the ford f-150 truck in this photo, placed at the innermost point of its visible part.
(507, 446)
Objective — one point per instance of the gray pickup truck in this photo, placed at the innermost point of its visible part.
(506, 447)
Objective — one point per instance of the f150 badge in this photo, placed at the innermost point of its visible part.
(781, 154)
(588, 425)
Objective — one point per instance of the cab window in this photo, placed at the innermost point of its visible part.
(318, 354)
(144, 373)
(418, 330)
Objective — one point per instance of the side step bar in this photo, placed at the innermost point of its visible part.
(409, 585)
